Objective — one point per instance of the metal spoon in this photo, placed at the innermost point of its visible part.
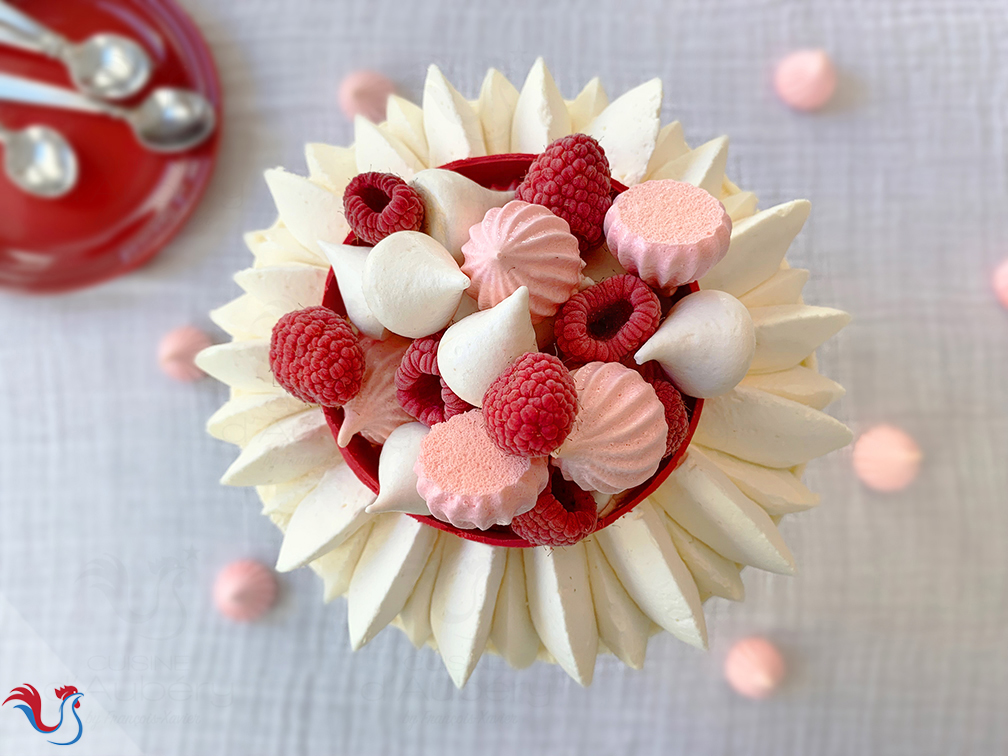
(106, 66)
(39, 161)
(169, 120)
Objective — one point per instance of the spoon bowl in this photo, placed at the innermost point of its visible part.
(40, 161)
(173, 120)
(108, 66)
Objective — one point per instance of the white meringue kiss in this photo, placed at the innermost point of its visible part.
(412, 284)
(705, 345)
(348, 266)
(397, 491)
(452, 205)
(474, 351)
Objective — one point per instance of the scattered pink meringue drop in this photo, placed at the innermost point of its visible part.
(365, 93)
(245, 590)
(886, 458)
(754, 668)
(178, 349)
(805, 79)
(1001, 283)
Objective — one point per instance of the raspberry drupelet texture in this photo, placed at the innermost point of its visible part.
(571, 178)
(607, 321)
(316, 357)
(530, 408)
(380, 204)
(419, 387)
(562, 516)
(676, 415)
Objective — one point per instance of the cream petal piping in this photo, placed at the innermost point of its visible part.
(560, 602)
(782, 288)
(670, 145)
(240, 364)
(462, 604)
(336, 567)
(714, 575)
(415, 615)
(326, 517)
(641, 553)
(243, 417)
(779, 492)
(284, 288)
(496, 107)
(622, 626)
(331, 167)
(512, 632)
(799, 384)
(628, 130)
(405, 123)
(768, 430)
(703, 167)
(285, 450)
(310, 212)
(787, 334)
(383, 153)
(702, 499)
(584, 108)
(451, 125)
(739, 205)
(245, 318)
(758, 245)
(393, 559)
(540, 113)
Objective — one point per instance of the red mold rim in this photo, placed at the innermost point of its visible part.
(497, 172)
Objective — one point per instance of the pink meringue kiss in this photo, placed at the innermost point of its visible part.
(886, 458)
(245, 590)
(177, 352)
(754, 668)
(467, 481)
(618, 438)
(805, 79)
(667, 232)
(522, 245)
(365, 93)
(1000, 283)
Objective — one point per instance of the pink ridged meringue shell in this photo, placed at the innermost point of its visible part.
(618, 439)
(667, 232)
(375, 411)
(522, 245)
(467, 481)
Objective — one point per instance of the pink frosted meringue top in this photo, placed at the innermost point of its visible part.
(522, 245)
(667, 232)
(805, 79)
(467, 481)
(619, 435)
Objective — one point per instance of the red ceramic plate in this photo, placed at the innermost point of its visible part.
(129, 202)
(499, 172)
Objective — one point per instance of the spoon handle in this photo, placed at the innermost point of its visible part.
(18, 19)
(29, 92)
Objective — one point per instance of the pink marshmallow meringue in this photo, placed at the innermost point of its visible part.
(1001, 284)
(618, 438)
(886, 458)
(365, 93)
(177, 350)
(245, 590)
(754, 668)
(667, 232)
(467, 481)
(522, 245)
(805, 79)
(375, 412)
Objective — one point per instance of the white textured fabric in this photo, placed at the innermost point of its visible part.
(114, 525)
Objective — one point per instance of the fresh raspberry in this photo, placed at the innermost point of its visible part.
(377, 205)
(530, 408)
(562, 516)
(571, 178)
(419, 387)
(607, 321)
(676, 415)
(316, 357)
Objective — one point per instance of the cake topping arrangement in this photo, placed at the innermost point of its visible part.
(491, 446)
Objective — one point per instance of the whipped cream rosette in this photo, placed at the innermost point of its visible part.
(448, 316)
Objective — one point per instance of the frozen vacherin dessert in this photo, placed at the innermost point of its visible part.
(525, 375)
